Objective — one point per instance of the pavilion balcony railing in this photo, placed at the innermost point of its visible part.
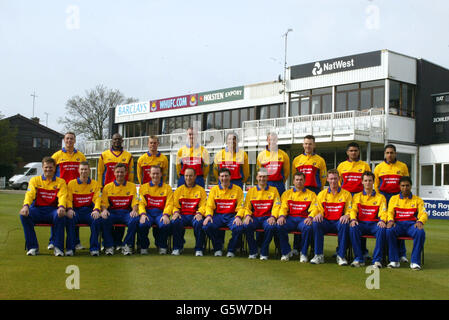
(366, 125)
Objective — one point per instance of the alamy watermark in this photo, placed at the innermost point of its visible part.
(372, 281)
(73, 280)
(72, 22)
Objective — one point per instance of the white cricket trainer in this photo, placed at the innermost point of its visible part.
(69, 253)
(263, 257)
(58, 252)
(51, 246)
(79, 246)
(95, 253)
(357, 264)
(403, 259)
(285, 257)
(415, 266)
(176, 252)
(144, 251)
(377, 264)
(109, 251)
(303, 258)
(198, 253)
(317, 259)
(394, 265)
(230, 255)
(162, 251)
(252, 256)
(341, 261)
(33, 252)
(126, 251)
(218, 253)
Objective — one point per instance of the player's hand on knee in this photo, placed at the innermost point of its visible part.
(105, 214)
(70, 213)
(143, 218)
(25, 211)
(207, 220)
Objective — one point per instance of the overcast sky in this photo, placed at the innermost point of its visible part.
(163, 48)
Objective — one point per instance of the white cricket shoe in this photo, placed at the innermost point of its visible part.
(58, 252)
(294, 252)
(127, 251)
(69, 253)
(317, 259)
(394, 265)
(230, 255)
(109, 251)
(176, 252)
(285, 257)
(357, 264)
(143, 251)
(198, 253)
(162, 251)
(95, 253)
(218, 253)
(341, 261)
(415, 266)
(79, 246)
(51, 246)
(252, 256)
(403, 259)
(303, 259)
(263, 257)
(33, 252)
(377, 264)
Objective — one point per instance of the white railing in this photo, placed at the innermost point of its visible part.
(368, 125)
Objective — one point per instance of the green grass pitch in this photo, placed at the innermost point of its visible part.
(187, 277)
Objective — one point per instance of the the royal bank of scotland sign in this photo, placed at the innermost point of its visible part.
(437, 209)
(317, 68)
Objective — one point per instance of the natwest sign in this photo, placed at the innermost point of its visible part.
(190, 100)
(364, 60)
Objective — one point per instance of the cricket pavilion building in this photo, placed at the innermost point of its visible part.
(374, 98)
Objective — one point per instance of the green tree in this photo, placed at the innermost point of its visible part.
(89, 115)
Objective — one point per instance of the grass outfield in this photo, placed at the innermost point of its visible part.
(188, 277)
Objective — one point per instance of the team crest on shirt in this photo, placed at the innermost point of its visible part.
(269, 197)
(412, 205)
(340, 199)
(77, 159)
(314, 163)
(399, 172)
(305, 199)
(360, 170)
(161, 194)
(127, 193)
(91, 190)
(55, 187)
(375, 202)
(124, 159)
(232, 196)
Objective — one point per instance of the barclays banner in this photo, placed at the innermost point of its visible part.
(131, 109)
(437, 209)
(359, 61)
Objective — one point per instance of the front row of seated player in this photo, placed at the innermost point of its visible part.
(334, 210)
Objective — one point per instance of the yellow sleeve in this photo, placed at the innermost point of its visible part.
(275, 211)
(210, 204)
(367, 167)
(133, 191)
(165, 169)
(284, 205)
(348, 204)
(245, 210)
(286, 166)
(422, 214)
(323, 174)
(142, 200)
(105, 198)
(239, 200)
(31, 192)
(355, 207)
(139, 170)
(70, 195)
(383, 209)
(320, 199)
(406, 170)
(202, 205)
(82, 157)
(176, 204)
(62, 194)
(97, 197)
(376, 180)
(178, 162)
(169, 202)
(100, 171)
(206, 162)
(215, 165)
(313, 208)
(131, 170)
(245, 167)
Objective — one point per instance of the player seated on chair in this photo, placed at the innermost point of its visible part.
(406, 217)
(45, 202)
(119, 205)
(223, 203)
(155, 207)
(189, 207)
(334, 206)
(83, 207)
(368, 217)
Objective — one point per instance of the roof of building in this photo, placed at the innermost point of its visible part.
(35, 123)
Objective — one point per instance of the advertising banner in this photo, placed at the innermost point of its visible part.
(223, 95)
(190, 100)
(132, 108)
(437, 209)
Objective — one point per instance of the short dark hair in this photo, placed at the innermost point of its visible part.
(194, 171)
(221, 170)
(352, 144)
(405, 179)
(299, 173)
(70, 132)
(120, 165)
(84, 163)
(232, 134)
(368, 174)
(388, 146)
(310, 137)
(333, 171)
(49, 160)
(156, 167)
